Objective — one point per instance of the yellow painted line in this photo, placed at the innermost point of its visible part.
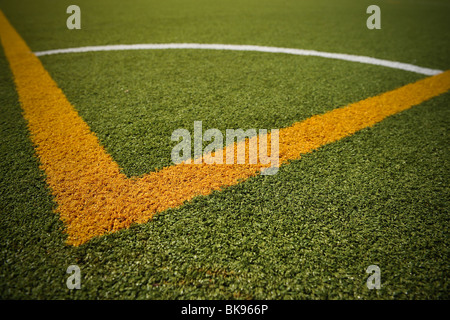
(93, 196)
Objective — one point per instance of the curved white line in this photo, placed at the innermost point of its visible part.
(299, 52)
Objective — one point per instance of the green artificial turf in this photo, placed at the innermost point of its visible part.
(134, 102)
(412, 31)
(308, 232)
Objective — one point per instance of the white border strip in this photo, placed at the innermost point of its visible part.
(299, 52)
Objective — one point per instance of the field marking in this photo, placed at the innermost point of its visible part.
(94, 198)
(232, 47)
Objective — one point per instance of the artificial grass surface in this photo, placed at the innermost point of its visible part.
(134, 102)
(378, 197)
(413, 31)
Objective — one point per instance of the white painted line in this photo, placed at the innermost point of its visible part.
(201, 46)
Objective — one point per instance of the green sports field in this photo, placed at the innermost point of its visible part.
(378, 197)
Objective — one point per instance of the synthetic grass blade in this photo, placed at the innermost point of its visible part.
(94, 197)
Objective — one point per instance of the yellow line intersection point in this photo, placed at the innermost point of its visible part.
(93, 197)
